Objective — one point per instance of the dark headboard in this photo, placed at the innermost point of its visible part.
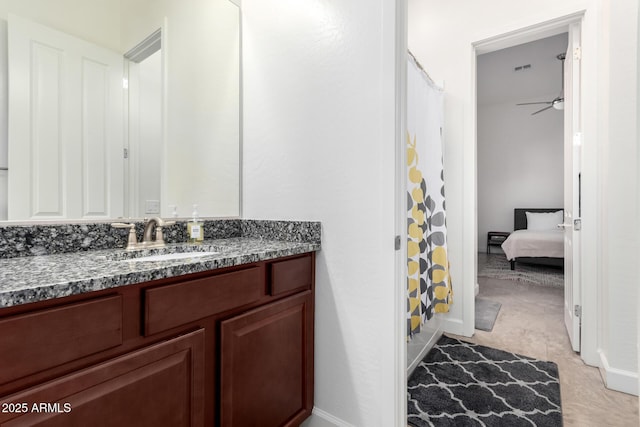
(520, 217)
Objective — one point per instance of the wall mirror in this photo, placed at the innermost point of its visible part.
(119, 108)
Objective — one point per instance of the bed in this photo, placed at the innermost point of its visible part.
(536, 238)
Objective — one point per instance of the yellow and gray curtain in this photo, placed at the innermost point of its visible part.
(428, 281)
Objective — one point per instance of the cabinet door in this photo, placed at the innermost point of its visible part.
(266, 365)
(159, 385)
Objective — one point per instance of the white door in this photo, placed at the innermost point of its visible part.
(572, 147)
(65, 126)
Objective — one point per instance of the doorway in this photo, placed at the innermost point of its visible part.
(532, 194)
(144, 112)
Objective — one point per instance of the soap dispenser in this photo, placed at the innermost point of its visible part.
(174, 214)
(195, 229)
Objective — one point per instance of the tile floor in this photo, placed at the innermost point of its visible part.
(531, 323)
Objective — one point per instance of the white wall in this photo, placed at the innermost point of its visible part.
(620, 197)
(319, 132)
(520, 164)
(442, 36)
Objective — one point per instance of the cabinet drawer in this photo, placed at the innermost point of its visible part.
(47, 338)
(291, 274)
(173, 305)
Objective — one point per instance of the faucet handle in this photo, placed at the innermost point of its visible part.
(123, 225)
(162, 223)
(133, 240)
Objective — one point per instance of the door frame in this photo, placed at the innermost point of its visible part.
(153, 43)
(400, 52)
(498, 42)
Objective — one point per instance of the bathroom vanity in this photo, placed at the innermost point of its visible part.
(224, 339)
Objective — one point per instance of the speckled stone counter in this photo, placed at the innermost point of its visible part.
(49, 239)
(26, 279)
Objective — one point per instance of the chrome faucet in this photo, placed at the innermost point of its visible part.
(147, 240)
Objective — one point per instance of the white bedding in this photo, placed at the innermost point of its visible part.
(534, 243)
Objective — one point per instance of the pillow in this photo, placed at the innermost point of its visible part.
(544, 220)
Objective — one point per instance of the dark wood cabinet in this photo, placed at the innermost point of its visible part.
(169, 306)
(227, 347)
(265, 368)
(41, 339)
(162, 384)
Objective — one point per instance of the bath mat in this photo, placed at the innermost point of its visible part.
(464, 384)
(497, 267)
(486, 313)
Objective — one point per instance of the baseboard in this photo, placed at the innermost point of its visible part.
(454, 326)
(433, 339)
(320, 418)
(618, 379)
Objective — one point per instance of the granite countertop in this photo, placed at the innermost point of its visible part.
(38, 278)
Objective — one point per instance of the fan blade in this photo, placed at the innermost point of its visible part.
(533, 103)
(540, 111)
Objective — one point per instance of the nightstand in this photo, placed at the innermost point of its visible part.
(496, 238)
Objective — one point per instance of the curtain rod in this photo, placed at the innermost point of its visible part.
(419, 65)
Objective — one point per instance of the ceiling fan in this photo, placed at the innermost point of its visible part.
(558, 102)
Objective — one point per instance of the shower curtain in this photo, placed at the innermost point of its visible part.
(428, 281)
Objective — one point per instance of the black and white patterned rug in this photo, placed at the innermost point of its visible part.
(497, 267)
(464, 384)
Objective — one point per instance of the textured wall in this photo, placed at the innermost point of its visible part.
(319, 145)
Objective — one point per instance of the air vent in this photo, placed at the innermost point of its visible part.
(522, 67)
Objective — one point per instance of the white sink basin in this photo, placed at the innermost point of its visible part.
(171, 256)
